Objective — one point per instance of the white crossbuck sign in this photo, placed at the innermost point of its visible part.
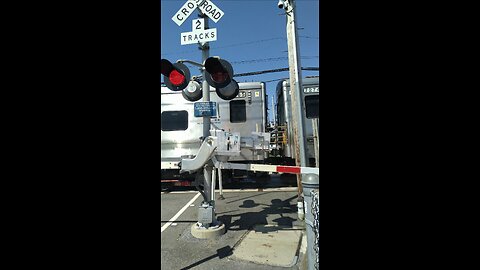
(206, 6)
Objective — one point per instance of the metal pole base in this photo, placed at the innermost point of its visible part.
(201, 232)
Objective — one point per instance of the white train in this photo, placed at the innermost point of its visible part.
(181, 130)
(310, 99)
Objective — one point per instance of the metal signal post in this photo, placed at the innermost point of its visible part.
(205, 87)
(217, 73)
(207, 171)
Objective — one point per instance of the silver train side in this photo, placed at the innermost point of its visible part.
(310, 99)
(181, 130)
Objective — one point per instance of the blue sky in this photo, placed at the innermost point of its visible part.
(251, 36)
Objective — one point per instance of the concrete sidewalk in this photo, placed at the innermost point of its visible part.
(270, 245)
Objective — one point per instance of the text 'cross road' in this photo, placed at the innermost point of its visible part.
(206, 6)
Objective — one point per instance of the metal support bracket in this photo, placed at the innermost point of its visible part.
(204, 154)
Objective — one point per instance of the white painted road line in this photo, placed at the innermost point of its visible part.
(179, 212)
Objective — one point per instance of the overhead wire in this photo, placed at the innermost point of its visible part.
(237, 44)
(230, 45)
(308, 37)
(266, 71)
(269, 59)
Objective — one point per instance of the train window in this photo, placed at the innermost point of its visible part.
(238, 111)
(174, 120)
(312, 106)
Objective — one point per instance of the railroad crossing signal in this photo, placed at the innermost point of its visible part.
(228, 87)
(219, 74)
(176, 76)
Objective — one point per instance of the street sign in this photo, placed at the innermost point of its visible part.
(208, 108)
(206, 6)
(198, 34)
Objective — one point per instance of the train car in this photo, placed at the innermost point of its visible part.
(310, 98)
(181, 130)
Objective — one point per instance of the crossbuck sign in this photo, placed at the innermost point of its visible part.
(206, 6)
(199, 33)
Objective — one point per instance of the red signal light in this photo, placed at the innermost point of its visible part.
(219, 74)
(219, 77)
(176, 77)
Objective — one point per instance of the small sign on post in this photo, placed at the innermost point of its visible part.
(201, 109)
(198, 34)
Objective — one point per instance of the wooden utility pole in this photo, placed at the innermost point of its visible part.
(296, 92)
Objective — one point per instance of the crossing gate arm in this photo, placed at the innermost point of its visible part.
(266, 168)
(284, 169)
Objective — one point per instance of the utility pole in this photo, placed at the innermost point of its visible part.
(296, 94)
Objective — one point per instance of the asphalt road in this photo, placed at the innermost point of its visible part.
(240, 211)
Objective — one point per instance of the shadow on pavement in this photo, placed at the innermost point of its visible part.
(248, 220)
(221, 253)
(259, 194)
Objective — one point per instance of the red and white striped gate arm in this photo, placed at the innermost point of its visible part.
(283, 169)
(268, 168)
(253, 167)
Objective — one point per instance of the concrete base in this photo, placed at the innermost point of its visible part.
(209, 233)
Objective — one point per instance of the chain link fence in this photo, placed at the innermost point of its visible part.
(316, 223)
